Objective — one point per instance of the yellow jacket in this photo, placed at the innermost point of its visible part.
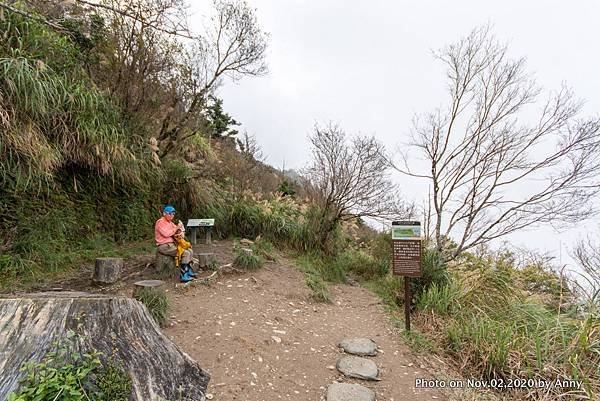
(182, 245)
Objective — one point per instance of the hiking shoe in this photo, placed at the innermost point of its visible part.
(184, 278)
(191, 271)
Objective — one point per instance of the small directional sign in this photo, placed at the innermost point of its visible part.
(208, 224)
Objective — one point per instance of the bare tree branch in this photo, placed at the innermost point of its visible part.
(176, 30)
(33, 17)
(234, 46)
(587, 253)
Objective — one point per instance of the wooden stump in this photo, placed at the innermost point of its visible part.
(118, 326)
(206, 259)
(149, 285)
(164, 265)
(107, 270)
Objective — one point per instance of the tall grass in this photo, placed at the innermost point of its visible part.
(439, 299)
(494, 329)
(156, 302)
(360, 264)
(52, 121)
(494, 320)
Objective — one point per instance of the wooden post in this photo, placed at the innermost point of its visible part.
(107, 270)
(194, 235)
(407, 298)
(208, 238)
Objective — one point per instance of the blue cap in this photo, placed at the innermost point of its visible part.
(168, 209)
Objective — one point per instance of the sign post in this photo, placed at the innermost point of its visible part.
(406, 239)
(195, 223)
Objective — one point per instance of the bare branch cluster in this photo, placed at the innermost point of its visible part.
(351, 179)
(165, 16)
(249, 147)
(492, 173)
(234, 46)
(587, 253)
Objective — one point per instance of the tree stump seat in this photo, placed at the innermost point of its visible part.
(206, 259)
(107, 270)
(164, 265)
(157, 286)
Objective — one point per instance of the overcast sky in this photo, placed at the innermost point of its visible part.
(368, 66)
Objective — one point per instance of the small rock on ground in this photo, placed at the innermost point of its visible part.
(359, 346)
(349, 392)
(357, 367)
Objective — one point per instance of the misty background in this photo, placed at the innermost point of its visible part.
(369, 67)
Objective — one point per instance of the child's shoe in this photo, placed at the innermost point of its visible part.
(191, 271)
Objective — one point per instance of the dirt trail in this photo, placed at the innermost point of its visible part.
(261, 337)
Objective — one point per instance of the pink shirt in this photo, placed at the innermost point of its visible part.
(164, 230)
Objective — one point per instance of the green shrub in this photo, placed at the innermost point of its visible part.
(112, 384)
(380, 247)
(487, 288)
(389, 288)
(65, 375)
(417, 340)
(360, 264)
(434, 270)
(287, 188)
(320, 292)
(247, 260)
(265, 249)
(156, 302)
(315, 263)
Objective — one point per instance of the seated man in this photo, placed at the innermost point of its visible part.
(170, 241)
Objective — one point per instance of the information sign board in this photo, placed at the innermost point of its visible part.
(407, 257)
(406, 239)
(406, 252)
(201, 222)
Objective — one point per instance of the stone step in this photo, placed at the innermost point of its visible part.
(358, 367)
(349, 392)
(359, 346)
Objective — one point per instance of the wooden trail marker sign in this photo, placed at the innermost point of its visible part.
(407, 252)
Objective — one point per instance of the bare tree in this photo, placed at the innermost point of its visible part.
(350, 180)
(234, 46)
(491, 173)
(249, 147)
(587, 253)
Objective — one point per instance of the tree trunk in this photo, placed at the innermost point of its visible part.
(107, 270)
(159, 370)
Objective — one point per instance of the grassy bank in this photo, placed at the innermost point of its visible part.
(508, 325)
